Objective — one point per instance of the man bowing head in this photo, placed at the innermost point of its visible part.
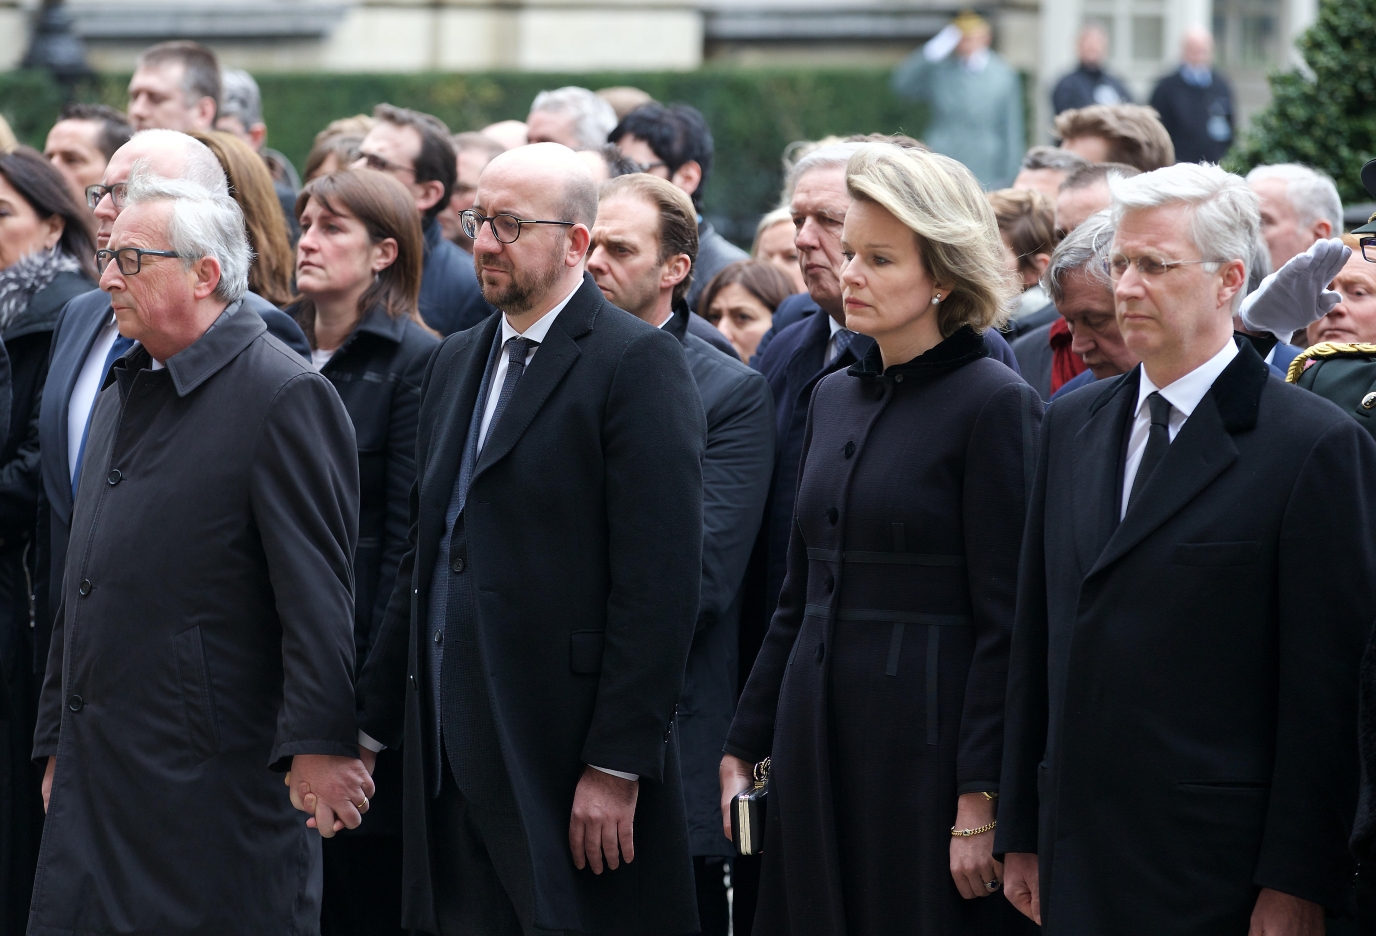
(204, 637)
(534, 650)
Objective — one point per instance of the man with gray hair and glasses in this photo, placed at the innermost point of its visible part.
(204, 641)
(1180, 753)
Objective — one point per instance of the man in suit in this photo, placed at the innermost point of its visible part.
(86, 341)
(534, 649)
(644, 243)
(1196, 102)
(418, 151)
(675, 143)
(1180, 753)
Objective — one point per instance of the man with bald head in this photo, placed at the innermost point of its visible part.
(534, 649)
(1196, 102)
(87, 340)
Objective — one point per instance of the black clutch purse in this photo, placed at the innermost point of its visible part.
(748, 813)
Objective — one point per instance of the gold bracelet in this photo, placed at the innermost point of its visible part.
(978, 830)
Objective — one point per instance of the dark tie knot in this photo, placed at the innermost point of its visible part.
(518, 348)
(1160, 410)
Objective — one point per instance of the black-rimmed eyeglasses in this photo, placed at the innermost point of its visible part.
(129, 259)
(119, 194)
(505, 227)
(1368, 249)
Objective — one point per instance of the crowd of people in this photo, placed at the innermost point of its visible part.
(443, 539)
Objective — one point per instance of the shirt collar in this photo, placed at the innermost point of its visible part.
(834, 325)
(540, 329)
(1184, 394)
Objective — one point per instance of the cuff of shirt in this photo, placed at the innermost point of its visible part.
(365, 741)
(615, 773)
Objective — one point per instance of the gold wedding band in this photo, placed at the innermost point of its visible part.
(363, 805)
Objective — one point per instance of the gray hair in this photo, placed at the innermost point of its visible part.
(203, 224)
(835, 156)
(1052, 157)
(240, 97)
(199, 164)
(1085, 248)
(1311, 193)
(593, 118)
(1225, 223)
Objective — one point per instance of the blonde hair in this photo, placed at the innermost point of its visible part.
(938, 199)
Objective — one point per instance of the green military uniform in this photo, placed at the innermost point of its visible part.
(1344, 374)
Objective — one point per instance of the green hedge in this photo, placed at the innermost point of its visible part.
(754, 114)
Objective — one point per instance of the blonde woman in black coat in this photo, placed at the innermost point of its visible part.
(879, 690)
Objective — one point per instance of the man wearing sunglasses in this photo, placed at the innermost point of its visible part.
(87, 340)
(417, 150)
(549, 598)
(1181, 745)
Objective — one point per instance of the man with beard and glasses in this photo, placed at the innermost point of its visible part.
(534, 649)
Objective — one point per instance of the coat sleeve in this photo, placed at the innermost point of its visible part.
(998, 473)
(1324, 621)
(1014, 134)
(751, 737)
(303, 491)
(911, 76)
(735, 480)
(653, 436)
(1026, 701)
(50, 698)
(21, 477)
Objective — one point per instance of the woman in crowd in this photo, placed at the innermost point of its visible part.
(358, 267)
(47, 256)
(774, 244)
(741, 299)
(250, 184)
(1353, 320)
(879, 690)
(1027, 228)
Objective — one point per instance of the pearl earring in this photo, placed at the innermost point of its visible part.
(936, 299)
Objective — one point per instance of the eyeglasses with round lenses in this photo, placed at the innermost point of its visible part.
(119, 194)
(129, 259)
(1147, 267)
(505, 227)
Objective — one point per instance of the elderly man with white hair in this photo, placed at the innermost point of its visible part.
(204, 641)
(1181, 746)
(1299, 206)
(572, 116)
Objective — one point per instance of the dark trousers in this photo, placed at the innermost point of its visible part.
(484, 885)
(714, 914)
(362, 886)
(745, 892)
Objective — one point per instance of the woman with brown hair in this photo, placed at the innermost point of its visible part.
(741, 299)
(358, 269)
(250, 184)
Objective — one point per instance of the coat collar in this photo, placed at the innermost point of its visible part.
(229, 335)
(678, 322)
(960, 348)
(1203, 449)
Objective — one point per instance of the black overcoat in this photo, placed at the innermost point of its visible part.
(584, 529)
(879, 689)
(204, 638)
(1183, 684)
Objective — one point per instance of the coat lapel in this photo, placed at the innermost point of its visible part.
(1095, 468)
(1200, 453)
(88, 328)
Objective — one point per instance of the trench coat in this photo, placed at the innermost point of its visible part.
(204, 637)
(1182, 694)
(879, 689)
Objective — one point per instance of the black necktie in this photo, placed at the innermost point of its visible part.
(517, 349)
(1158, 440)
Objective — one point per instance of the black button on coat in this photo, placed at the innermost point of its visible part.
(881, 701)
(214, 644)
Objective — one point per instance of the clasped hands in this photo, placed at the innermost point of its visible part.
(334, 790)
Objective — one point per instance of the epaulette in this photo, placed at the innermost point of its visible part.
(1327, 349)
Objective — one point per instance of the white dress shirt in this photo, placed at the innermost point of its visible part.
(1183, 395)
(536, 333)
(84, 392)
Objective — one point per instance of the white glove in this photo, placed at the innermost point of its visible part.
(1296, 295)
(942, 44)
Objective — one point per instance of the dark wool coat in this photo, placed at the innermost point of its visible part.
(584, 529)
(204, 638)
(27, 338)
(1182, 695)
(879, 689)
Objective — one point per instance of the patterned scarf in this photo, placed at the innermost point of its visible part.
(21, 281)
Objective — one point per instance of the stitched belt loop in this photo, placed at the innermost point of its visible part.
(933, 655)
(895, 646)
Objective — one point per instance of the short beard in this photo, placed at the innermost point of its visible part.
(526, 288)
